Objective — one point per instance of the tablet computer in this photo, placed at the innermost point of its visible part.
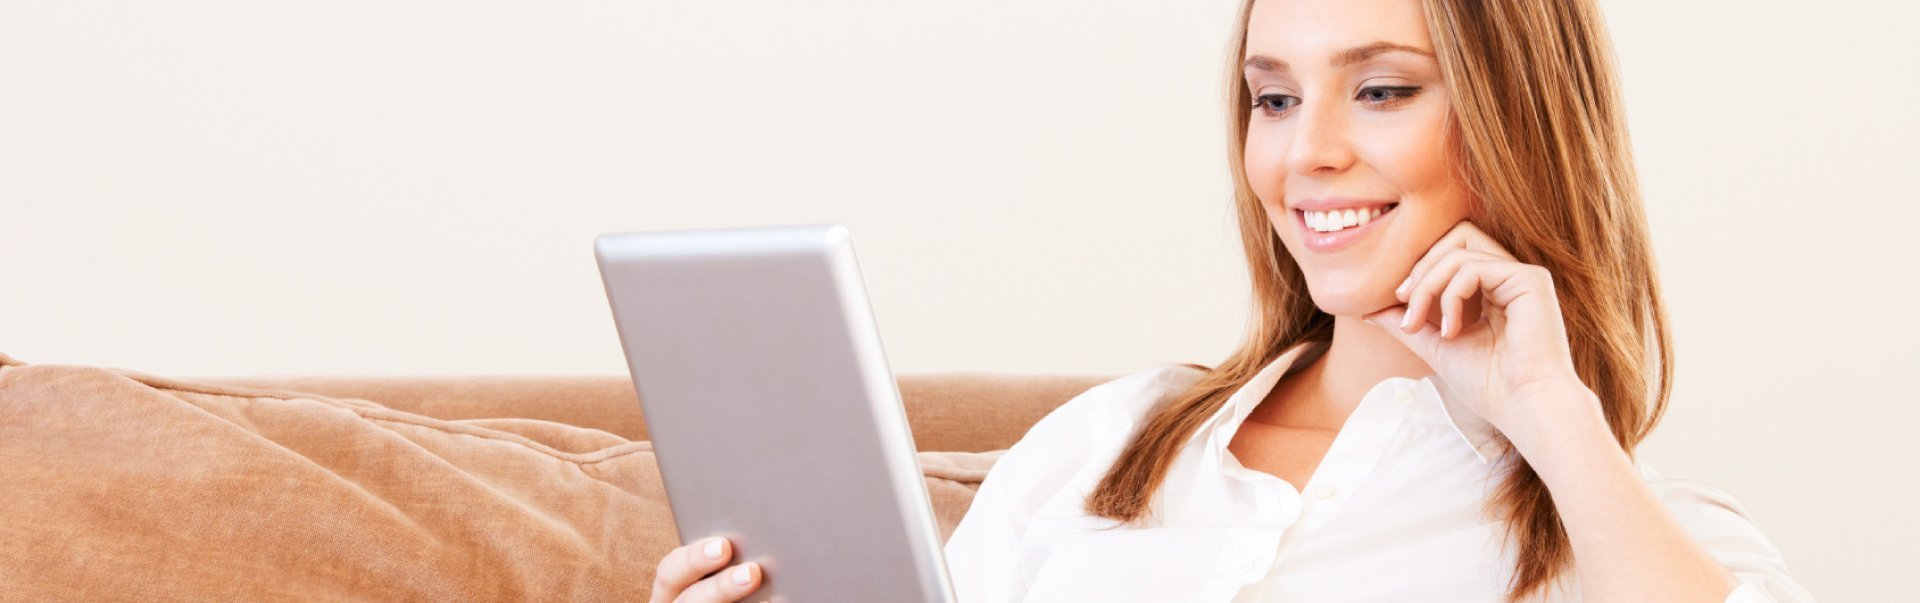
(774, 417)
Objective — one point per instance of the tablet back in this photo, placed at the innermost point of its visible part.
(774, 416)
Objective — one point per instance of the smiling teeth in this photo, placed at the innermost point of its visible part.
(1341, 219)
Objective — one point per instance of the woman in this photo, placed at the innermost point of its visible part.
(1458, 342)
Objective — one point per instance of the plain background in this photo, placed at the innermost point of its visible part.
(353, 187)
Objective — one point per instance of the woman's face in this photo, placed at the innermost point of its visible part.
(1349, 112)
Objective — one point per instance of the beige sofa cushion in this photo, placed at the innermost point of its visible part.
(117, 484)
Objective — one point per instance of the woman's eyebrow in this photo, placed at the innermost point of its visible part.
(1340, 59)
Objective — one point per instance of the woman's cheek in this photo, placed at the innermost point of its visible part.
(1266, 174)
(1416, 156)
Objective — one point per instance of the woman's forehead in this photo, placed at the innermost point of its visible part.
(1296, 32)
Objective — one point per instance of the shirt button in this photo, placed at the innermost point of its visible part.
(1246, 565)
(1404, 397)
(1322, 491)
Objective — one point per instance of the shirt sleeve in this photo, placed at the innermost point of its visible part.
(984, 553)
(1724, 528)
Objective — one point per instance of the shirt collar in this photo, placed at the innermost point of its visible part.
(1432, 403)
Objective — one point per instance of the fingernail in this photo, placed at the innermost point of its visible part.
(713, 549)
(1445, 321)
(1403, 285)
(742, 574)
(1403, 321)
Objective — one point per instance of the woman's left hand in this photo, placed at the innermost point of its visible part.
(1514, 356)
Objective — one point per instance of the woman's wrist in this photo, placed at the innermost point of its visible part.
(1557, 428)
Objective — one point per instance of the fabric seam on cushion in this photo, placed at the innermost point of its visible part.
(456, 429)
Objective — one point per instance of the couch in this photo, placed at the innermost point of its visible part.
(121, 485)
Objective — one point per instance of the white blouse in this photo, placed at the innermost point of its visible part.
(1394, 512)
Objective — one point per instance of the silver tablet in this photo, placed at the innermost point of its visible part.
(773, 414)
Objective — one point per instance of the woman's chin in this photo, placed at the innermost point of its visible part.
(1355, 304)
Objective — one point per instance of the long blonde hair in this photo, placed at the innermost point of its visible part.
(1544, 150)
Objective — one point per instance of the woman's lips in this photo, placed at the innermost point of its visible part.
(1326, 242)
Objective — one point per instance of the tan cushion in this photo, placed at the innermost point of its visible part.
(117, 484)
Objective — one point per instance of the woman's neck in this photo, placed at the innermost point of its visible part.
(1326, 391)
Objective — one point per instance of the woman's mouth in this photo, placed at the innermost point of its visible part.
(1331, 230)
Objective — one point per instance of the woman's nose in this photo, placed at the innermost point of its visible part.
(1320, 143)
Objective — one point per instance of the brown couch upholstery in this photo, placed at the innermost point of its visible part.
(118, 485)
(972, 412)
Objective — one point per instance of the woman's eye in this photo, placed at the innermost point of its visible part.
(1387, 94)
(1273, 104)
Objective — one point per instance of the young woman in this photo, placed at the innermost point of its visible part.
(1458, 342)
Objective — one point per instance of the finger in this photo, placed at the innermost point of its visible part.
(1427, 286)
(1463, 235)
(1472, 237)
(731, 584)
(685, 565)
(1460, 302)
(1498, 282)
(1447, 243)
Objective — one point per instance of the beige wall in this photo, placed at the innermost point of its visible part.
(359, 187)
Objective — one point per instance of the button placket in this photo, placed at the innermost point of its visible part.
(1358, 448)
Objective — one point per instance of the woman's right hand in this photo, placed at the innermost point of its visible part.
(687, 574)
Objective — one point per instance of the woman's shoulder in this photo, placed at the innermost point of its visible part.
(1076, 426)
(1125, 398)
(1062, 454)
(1082, 428)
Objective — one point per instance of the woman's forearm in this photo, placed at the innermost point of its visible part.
(1626, 545)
